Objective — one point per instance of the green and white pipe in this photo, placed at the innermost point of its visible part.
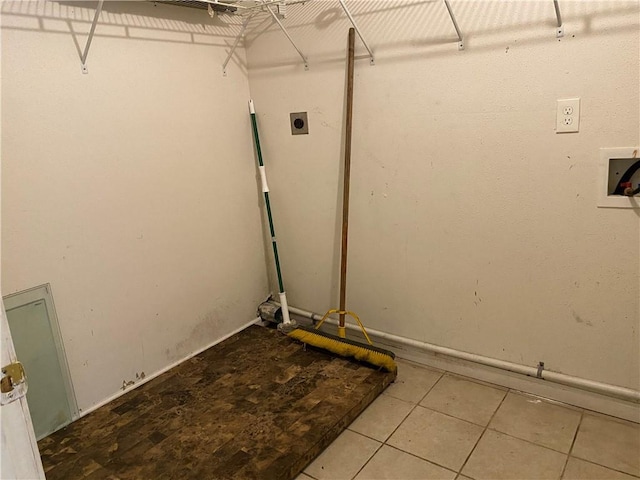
(265, 190)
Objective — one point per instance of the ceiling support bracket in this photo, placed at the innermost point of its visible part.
(353, 22)
(235, 44)
(455, 25)
(560, 27)
(284, 30)
(85, 54)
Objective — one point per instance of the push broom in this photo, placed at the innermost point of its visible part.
(336, 344)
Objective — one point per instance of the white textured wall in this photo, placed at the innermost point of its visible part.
(132, 189)
(473, 224)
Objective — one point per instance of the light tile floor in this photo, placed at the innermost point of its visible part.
(436, 425)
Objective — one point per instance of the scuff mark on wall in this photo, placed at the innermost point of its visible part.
(125, 383)
(205, 331)
(579, 319)
(478, 299)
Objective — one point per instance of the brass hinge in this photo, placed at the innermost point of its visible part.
(13, 384)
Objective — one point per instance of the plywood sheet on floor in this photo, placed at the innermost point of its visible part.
(256, 406)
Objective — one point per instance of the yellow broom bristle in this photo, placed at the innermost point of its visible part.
(343, 349)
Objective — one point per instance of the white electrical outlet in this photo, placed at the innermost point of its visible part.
(568, 115)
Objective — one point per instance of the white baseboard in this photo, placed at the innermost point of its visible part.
(151, 376)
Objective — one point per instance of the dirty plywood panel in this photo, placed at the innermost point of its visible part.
(256, 406)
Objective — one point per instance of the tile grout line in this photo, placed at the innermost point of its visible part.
(442, 375)
(586, 412)
(485, 428)
(422, 458)
(483, 432)
(399, 424)
(456, 418)
(421, 398)
(394, 430)
(623, 421)
(575, 436)
(529, 442)
(575, 409)
(607, 467)
(417, 404)
(368, 460)
(477, 381)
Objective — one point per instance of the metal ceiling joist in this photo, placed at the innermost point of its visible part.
(85, 54)
(455, 25)
(353, 22)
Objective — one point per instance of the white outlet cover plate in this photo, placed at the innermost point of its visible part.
(568, 115)
(614, 201)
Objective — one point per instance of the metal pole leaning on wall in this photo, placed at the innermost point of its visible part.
(455, 25)
(560, 29)
(353, 22)
(284, 30)
(235, 44)
(85, 54)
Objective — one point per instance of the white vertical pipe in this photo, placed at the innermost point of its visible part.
(284, 306)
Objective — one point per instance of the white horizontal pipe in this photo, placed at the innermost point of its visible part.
(577, 382)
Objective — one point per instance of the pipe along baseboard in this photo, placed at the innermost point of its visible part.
(536, 372)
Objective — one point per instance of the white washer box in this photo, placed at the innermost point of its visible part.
(614, 162)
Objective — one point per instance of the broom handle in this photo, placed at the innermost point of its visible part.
(347, 175)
